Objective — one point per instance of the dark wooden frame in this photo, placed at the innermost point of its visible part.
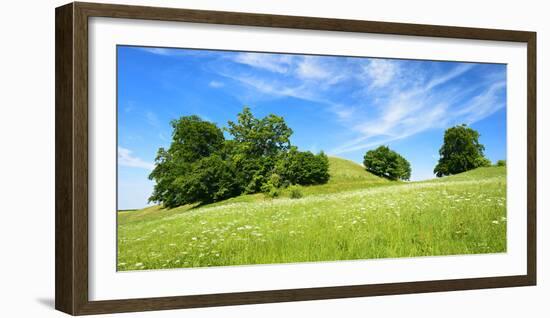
(71, 157)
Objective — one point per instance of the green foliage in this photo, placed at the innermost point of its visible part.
(482, 162)
(461, 151)
(211, 179)
(501, 163)
(193, 138)
(272, 187)
(177, 171)
(255, 147)
(260, 137)
(200, 166)
(295, 191)
(303, 167)
(387, 163)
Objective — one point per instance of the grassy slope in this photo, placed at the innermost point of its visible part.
(354, 216)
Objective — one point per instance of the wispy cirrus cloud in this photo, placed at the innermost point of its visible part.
(176, 52)
(126, 159)
(380, 72)
(387, 99)
(159, 51)
(309, 68)
(408, 111)
(379, 100)
(278, 63)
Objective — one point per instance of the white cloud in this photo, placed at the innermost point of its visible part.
(408, 111)
(158, 51)
(174, 52)
(259, 84)
(216, 84)
(483, 104)
(277, 88)
(277, 63)
(455, 72)
(310, 68)
(380, 72)
(381, 101)
(126, 159)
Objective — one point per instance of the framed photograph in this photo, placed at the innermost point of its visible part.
(211, 158)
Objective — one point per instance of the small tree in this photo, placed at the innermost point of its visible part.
(501, 163)
(271, 187)
(302, 167)
(461, 151)
(295, 192)
(387, 163)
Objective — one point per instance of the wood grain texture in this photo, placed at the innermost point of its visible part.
(80, 145)
(72, 157)
(532, 158)
(246, 298)
(64, 235)
(297, 22)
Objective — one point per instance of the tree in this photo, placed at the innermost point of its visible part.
(461, 151)
(260, 137)
(387, 163)
(175, 169)
(256, 145)
(302, 167)
(271, 187)
(194, 138)
(501, 163)
(210, 179)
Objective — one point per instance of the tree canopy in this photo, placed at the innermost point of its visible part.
(260, 137)
(297, 167)
(201, 166)
(461, 151)
(387, 163)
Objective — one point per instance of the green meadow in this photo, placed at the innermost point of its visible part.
(356, 215)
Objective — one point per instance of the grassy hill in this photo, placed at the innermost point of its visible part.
(346, 175)
(356, 215)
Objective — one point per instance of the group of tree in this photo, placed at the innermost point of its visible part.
(202, 166)
(461, 151)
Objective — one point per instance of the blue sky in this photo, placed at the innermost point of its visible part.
(344, 106)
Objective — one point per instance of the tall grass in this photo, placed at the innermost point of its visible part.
(367, 218)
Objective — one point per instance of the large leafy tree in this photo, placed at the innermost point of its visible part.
(177, 167)
(256, 144)
(260, 137)
(461, 151)
(387, 163)
(194, 138)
